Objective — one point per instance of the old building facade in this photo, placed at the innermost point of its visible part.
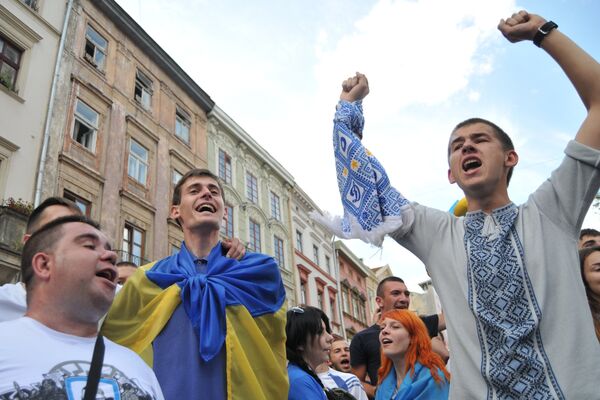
(257, 193)
(127, 122)
(30, 33)
(314, 263)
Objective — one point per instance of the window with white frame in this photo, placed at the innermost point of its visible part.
(95, 48)
(227, 222)
(275, 207)
(10, 61)
(251, 188)
(299, 241)
(279, 255)
(224, 166)
(143, 90)
(33, 4)
(254, 242)
(137, 167)
(182, 125)
(85, 126)
(316, 254)
(328, 265)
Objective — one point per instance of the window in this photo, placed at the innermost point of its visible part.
(316, 254)
(275, 209)
(224, 166)
(84, 205)
(138, 162)
(95, 48)
(328, 264)
(345, 304)
(254, 228)
(320, 298)
(251, 188)
(133, 244)
(86, 126)
(303, 295)
(182, 125)
(227, 222)
(175, 177)
(31, 3)
(332, 309)
(143, 90)
(299, 241)
(10, 59)
(278, 246)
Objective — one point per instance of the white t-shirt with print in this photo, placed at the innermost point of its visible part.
(39, 362)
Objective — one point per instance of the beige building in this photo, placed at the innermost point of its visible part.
(353, 278)
(30, 33)
(127, 122)
(314, 264)
(257, 193)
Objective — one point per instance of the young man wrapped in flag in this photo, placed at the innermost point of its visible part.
(210, 326)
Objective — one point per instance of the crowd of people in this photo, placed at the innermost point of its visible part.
(210, 322)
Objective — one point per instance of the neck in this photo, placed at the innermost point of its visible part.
(322, 368)
(487, 204)
(399, 366)
(200, 243)
(59, 321)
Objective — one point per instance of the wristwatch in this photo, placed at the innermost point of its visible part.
(543, 31)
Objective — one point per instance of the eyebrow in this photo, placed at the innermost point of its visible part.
(475, 135)
(199, 185)
(93, 236)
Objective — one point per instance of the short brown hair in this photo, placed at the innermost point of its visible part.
(44, 239)
(176, 200)
(34, 218)
(505, 140)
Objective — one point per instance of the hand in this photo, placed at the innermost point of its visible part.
(520, 26)
(355, 88)
(234, 247)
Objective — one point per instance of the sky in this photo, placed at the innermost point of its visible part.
(276, 68)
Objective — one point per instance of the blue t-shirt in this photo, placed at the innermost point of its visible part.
(303, 386)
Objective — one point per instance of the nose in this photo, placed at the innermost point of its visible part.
(468, 148)
(110, 256)
(329, 338)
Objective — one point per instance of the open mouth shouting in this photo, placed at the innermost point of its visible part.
(386, 341)
(206, 207)
(471, 164)
(108, 274)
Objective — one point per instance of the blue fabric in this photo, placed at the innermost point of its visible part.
(419, 386)
(253, 282)
(176, 361)
(507, 324)
(372, 207)
(303, 386)
(339, 381)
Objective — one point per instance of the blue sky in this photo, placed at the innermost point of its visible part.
(276, 68)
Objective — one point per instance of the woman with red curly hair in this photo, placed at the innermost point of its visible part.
(409, 368)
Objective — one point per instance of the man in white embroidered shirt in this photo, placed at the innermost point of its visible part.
(503, 271)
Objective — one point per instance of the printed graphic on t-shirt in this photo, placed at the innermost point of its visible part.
(67, 380)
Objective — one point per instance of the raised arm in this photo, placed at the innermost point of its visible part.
(581, 69)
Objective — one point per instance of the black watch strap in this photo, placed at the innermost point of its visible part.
(543, 31)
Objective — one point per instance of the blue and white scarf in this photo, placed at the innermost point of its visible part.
(372, 207)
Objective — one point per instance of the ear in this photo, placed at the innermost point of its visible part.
(451, 177)
(379, 302)
(40, 264)
(511, 158)
(174, 213)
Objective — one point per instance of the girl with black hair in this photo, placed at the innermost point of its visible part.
(307, 346)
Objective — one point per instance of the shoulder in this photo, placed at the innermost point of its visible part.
(302, 384)
(125, 354)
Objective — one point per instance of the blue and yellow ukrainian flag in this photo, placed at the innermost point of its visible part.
(236, 304)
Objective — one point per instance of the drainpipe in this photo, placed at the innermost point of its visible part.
(44, 153)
